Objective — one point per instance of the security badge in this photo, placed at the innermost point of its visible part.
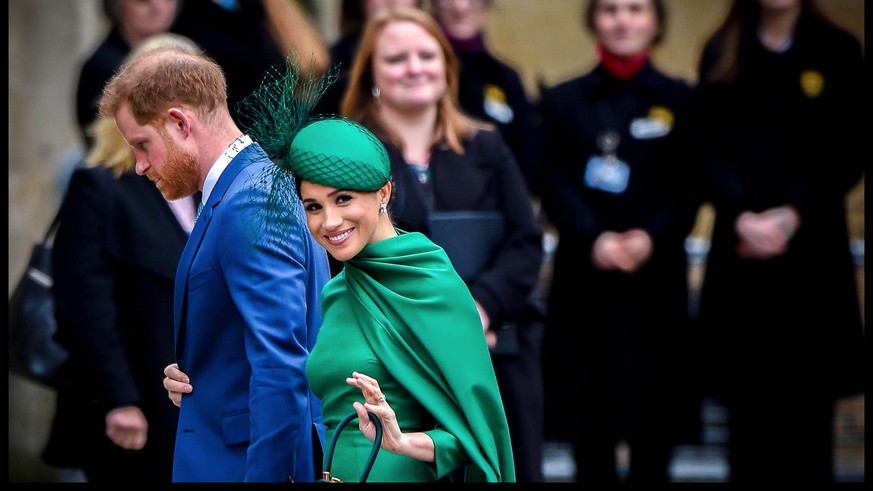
(495, 104)
(658, 123)
(607, 172)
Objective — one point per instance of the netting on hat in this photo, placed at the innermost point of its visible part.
(276, 111)
(340, 153)
(337, 173)
(273, 115)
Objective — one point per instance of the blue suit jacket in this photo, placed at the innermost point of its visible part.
(247, 313)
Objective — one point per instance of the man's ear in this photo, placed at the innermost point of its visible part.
(180, 120)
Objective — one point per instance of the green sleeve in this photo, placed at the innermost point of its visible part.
(449, 454)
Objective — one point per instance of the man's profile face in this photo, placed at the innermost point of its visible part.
(179, 176)
(172, 168)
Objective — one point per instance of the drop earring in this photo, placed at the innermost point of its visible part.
(376, 93)
(383, 208)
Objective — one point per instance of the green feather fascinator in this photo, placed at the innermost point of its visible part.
(324, 149)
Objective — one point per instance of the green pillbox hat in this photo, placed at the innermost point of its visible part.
(339, 153)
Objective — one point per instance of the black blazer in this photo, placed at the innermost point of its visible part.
(115, 256)
(491, 90)
(662, 193)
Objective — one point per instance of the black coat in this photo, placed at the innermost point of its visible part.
(491, 90)
(114, 263)
(611, 335)
(97, 69)
(776, 136)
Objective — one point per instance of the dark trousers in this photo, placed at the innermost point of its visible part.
(644, 425)
(518, 366)
(780, 439)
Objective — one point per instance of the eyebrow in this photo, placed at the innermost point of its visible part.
(330, 194)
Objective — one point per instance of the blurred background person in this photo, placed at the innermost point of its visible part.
(114, 263)
(618, 184)
(249, 37)
(781, 88)
(353, 16)
(403, 87)
(489, 89)
(131, 22)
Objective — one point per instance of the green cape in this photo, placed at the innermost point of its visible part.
(421, 320)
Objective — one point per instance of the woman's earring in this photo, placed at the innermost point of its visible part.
(376, 93)
(383, 208)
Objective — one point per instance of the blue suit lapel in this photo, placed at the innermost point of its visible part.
(200, 226)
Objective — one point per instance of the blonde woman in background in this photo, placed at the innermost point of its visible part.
(115, 257)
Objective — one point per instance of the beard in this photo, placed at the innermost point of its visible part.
(180, 174)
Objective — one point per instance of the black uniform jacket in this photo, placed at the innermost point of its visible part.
(661, 195)
(609, 330)
(786, 131)
(491, 90)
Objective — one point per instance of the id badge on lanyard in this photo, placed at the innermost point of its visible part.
(607, 172)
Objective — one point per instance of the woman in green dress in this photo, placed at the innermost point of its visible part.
(401, 335)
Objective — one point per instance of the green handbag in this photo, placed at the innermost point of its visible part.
(328, 454)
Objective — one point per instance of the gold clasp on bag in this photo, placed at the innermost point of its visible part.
(325, 477)
(368, 465)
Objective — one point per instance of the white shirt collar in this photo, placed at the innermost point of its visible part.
(223, 161)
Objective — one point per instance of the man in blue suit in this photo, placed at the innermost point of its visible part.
(248, 283)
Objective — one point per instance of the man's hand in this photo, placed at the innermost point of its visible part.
(177, 383)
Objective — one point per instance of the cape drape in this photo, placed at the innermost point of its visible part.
(421, 320)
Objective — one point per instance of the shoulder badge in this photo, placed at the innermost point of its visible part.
(812, 83)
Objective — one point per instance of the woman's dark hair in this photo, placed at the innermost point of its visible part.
(660, 14)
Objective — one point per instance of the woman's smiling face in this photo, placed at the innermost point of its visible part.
(343, 221)
(409, 67)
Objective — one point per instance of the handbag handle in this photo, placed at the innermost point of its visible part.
(368, 465)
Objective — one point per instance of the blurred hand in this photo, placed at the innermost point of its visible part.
(638, 246)
(490, 335)
(623, 251)
(127, 427)
(767, 234)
